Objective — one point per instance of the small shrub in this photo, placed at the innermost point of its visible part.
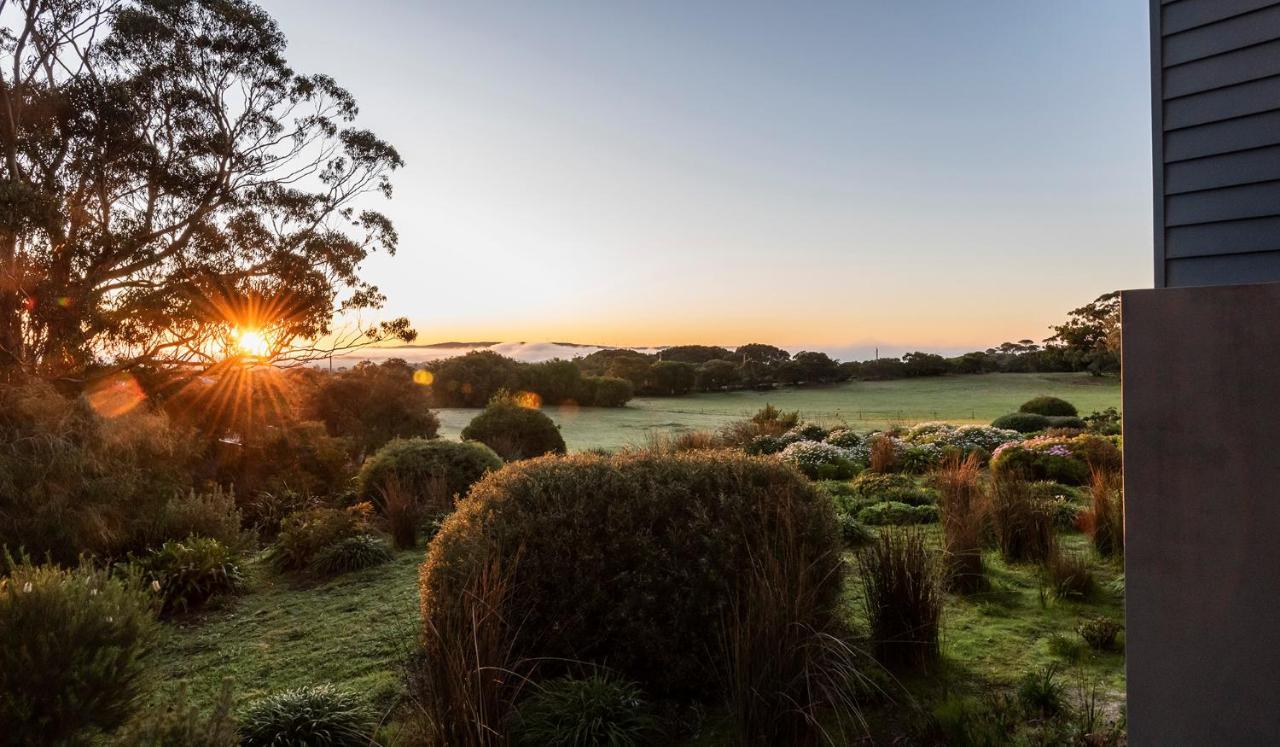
(673, 443)
(818, 460)
(1066, 423)
(844, 438)
(264, 511)
(305, 534)
(1103, 521)
(1023, 526)
(190, 572)
(594, 710)
(1049, 406)
(1100, 633)
(776, 420)
(764, 444)
(318, 714)
(1022, 422)
(963, 522)
(873, 486)
(1069, 649)
(515, 432)
(211, 514)
(902, 593)
(1069, 575)
(1104, 422)
(884, 454)
(852, 531)
(181, 722)
(892, 512)
(1040, 692)
(351, 554)
(417, 465)
(74, 656)
(810, 432)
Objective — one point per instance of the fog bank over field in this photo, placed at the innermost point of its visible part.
(535, 352)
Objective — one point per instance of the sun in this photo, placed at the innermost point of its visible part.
(252, 343)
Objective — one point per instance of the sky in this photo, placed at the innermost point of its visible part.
(929, 174)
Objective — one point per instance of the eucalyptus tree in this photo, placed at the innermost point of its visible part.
(168, 180)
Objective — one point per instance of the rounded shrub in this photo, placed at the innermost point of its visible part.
(820, 461)
(305, 534)
(631, 560)
(351, 554)
(190, 572)
(515, 432)
(844, 438)
(73, 659)
(1049, 407)
(1067, 421)
(422, 466)
(314, 715)
(1022, 422)
(572, 712)
(876, 487)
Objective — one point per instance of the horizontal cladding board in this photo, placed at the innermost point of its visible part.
(1231, 34)
(1227, 69)
(1231, 203)
(1263, 267)
(1223, 103)
(1254, 131)
(1245, 167)
(1235, 237)
(1189, 14)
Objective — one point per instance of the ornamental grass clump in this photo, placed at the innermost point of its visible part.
(902, 594)
(963, 522)
(883, 455)
(1068, 575)
(310, 715)
(1103, 521)
(584, 712)
(190, 572)
(75, 645)
(1023, 526)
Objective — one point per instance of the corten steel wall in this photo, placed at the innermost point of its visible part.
(1202, 488)
(1215, 78)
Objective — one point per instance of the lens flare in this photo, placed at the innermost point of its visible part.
(423, 377)
(528, 400)
(114, 395)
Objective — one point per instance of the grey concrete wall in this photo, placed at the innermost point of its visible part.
(1202, 486)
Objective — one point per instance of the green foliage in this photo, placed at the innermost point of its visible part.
(880, 487)
(1067, 422)
(593, 711)
(1041, 693)
(473, 379)
(1069, 649)
(630, 559)
(1023, 525)
(190, 572)
(212, 514)
(975, 722)
(418, 466)
(1022, 422)
(305, 534)
(515, 432)
(315, 715)
(371, 403)
(670, 378)
(903, 599)
(1100, 633)
(1105, 422)
(296, 456)
(351, 554)
(181, 722)
(852, 531)
(73, 482)
(893, 512)
(73, 662)
(608, 391)
(1049, 407)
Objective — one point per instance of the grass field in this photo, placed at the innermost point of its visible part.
(353, 631)
(862, 405)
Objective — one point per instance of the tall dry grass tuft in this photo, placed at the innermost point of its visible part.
(964, 518)
(902, 591)
(1104, 520)
(1023, 525)
(790, 675)
(403, 511)
(1069, 575)
(884, 457)
(674, 443)
(466, 677)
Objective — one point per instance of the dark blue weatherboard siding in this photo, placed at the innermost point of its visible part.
(1215, 82)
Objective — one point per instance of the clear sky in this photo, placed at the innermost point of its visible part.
(922, 174)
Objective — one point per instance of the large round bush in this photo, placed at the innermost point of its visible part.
(1049, 407)
(1022, 422)
(515, 432)
(73, 659)
(417, 464)
(632, 560)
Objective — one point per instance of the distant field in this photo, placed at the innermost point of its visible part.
(863, 405)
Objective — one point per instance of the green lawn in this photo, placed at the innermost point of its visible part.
(860, 404)
(352, 632)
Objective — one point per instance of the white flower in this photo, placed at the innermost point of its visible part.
(26, 587)
(155, 586)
